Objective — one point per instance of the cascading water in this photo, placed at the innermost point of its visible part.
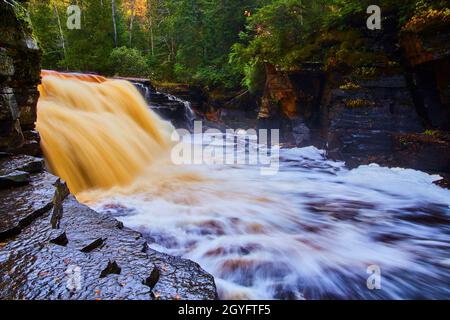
(145, 90)
(189, 113)
(98, 133)
(169, 107)
(309, 232)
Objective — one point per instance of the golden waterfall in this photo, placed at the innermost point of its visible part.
(97, 133)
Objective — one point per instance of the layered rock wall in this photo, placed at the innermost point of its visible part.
(19, 76)
(395, 112)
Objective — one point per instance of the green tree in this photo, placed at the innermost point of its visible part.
(45, 28)
(128, 62)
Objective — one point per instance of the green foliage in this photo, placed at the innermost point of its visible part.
(217, 43)
(128, 62)
(46, 30)
(431, 133)
(20, 11)
(182, 40)
(275, 30)
(289, 33)
(89, 47)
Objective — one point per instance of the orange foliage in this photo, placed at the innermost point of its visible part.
(138, 6)
(427, 19)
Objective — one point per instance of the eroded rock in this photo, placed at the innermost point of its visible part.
(22, 205)
(60, 239)
(14, 179)
(39, 263)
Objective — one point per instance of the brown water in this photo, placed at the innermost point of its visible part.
(98, 133)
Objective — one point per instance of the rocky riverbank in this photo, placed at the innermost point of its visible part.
(52, 247)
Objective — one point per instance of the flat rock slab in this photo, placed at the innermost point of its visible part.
(21, 205)
(21, 163)
(186, 274)
(14, 179)
(91, 256)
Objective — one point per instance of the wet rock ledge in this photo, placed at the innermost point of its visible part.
(52, 247)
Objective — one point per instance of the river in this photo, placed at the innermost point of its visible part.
(308, 232)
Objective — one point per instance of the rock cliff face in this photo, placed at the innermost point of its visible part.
(428, 58)
(395, 113)
(51, 246)
(19, 76)
(363, 116)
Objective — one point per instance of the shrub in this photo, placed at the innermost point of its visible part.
(128, 62)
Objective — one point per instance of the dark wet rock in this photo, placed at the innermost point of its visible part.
(19, 76)
(93, 245)
(29, 147)
(169, 107)
(14, 179)
(194, 94)
(60, 239)
(153, 279)
(61, 192)
(427, 152)
(177, 111)
(231, 118)
(188, 274)
(15, 170)
(111, 268)
(21, 163)
(362, 121)
(35, 165)
(427, 55)
(35, 268)
(21, 205)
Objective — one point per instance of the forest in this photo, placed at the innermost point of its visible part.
(213, 43)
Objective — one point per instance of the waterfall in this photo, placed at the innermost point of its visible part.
(167, 105)
(98, 133)
(145, 90)
(189, 113)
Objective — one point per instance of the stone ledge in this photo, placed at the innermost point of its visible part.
(113, 262)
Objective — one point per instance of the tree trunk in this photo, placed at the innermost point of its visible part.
(130, 29)
(113, 8)
(63, 43)
(150, 20)
(152, 41)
